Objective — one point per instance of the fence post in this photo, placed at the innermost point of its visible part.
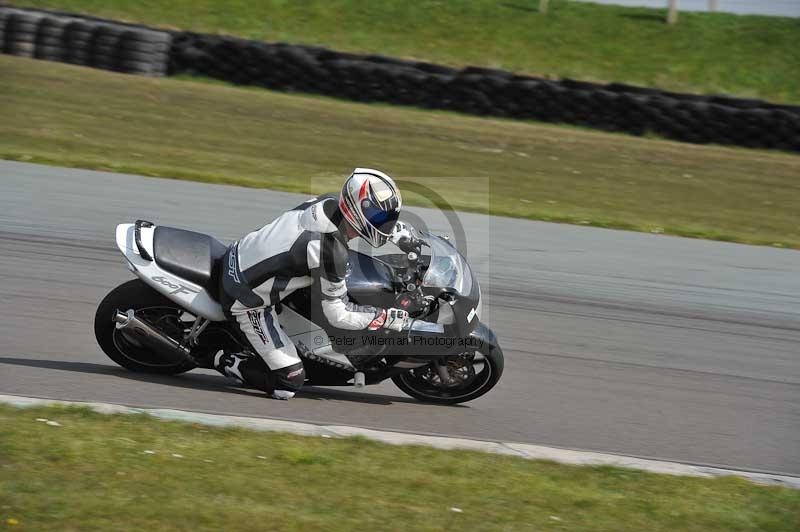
(713, 5)
(672, 11)
(543, 6)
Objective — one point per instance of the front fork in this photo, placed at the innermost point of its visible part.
(441, 370)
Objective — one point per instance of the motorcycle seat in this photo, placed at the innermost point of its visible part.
(195, 257)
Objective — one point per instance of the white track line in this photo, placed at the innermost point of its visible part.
(523, 450)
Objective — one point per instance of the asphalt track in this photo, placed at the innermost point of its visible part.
(644, 345)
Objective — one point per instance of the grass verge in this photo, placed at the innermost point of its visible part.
(579, 40)
(73, 116)
(96, 472)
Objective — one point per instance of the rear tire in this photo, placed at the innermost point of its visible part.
(418, 388)
(136, 295)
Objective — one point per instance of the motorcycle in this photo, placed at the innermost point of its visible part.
(168, 320)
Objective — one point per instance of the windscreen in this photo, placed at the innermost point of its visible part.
(447, 269)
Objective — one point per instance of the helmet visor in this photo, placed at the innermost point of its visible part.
(382, 220)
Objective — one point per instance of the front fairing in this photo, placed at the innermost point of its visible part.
(450, 279)
(447, 277)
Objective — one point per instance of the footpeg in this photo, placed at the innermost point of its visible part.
(359, 381)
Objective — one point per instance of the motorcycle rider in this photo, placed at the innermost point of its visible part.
(303, 247)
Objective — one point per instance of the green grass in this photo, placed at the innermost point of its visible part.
(73, 116)
(750, 56)
(92, 473)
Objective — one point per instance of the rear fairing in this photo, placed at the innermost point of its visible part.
(195, 299)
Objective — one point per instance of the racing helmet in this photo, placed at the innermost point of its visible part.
(370, 202)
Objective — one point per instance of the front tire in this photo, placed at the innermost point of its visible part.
(136, 295)
(425, 385)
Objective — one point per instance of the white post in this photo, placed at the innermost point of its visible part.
(543, 6)
(713, 5)
(672, 11)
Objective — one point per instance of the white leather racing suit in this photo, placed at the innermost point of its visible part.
(301, 247)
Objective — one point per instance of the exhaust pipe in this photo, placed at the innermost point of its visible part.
(146, 334)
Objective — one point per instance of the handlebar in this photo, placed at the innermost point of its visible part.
(410, 244)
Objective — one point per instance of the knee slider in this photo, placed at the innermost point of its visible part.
(290, 378)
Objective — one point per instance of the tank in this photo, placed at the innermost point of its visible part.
(369, 280)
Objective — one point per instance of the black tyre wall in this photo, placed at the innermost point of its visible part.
(376, 78)
(84, 41)
(481, 91)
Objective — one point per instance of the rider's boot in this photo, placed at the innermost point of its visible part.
(228, 364)
(250, 370)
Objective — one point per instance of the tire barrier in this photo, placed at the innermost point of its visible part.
(84, 41)
(375, 78)
(489, 92)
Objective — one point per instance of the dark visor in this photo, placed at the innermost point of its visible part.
(383, 221)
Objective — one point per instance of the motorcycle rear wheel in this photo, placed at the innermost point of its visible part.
(150, 305)
(421, 383)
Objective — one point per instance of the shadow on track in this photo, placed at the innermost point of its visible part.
(197, 381)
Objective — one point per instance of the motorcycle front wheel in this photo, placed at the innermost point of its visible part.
(454, 379)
